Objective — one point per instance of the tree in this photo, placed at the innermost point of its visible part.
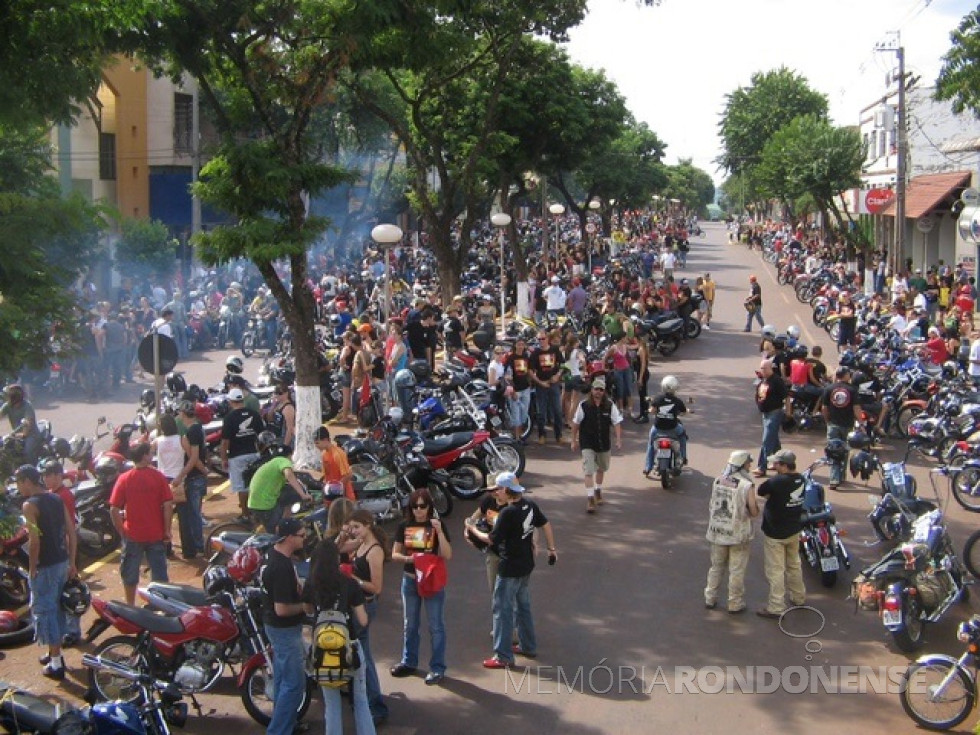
(959, 77)
(692, 186)
(145, 249)
(754, 113)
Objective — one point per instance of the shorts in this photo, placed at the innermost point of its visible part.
(132, 555)
(344, 381)
(236, 471)
(593, 461)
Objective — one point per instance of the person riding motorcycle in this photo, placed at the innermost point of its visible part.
(20, 414)
(666, 408)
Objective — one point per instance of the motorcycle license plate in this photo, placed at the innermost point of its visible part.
(829, 564)
(891, 617)
(495, 421)
(663, 453)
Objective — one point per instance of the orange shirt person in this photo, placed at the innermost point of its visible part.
(336, 468)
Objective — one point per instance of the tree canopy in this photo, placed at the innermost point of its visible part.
(959, 77)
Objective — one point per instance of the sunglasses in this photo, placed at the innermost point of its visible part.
(418, 506)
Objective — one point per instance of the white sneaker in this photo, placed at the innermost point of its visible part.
(707, 326)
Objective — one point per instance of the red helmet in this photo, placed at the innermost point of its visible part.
(8, 621)
(244, 564)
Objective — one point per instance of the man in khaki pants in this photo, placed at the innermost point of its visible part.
(732, 507)
(781, 525)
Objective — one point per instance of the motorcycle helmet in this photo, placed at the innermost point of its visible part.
(950, 370)
(779, 342)
(793, 331)
(195, 393)
(355, 450)
(836, 450)
(61, 448)
(857, 439)
(244, 564)
(176, 383)
(217, 579)
(768, 332)
(801, 352)
(234, 364)
(670, 384)
(78, 447)
(148, 398)
(8, 621)
(421, 369)
(333, 490)
(75, 597)
(106, 470)
(847, 359)
(405, 378)
(335, 320)
(396, 415)
(862, 464)
(266, 439)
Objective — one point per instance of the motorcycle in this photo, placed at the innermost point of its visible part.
(156, 707)
(667, 462)
(937, 691)
(252, 336)
(820, 539)
(915, 582)
(15, 590)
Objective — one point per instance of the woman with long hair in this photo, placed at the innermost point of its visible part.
(421, 533)
(367, 563)
(325, 590)
(340, 512)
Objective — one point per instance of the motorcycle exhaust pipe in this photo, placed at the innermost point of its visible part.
(115, 668)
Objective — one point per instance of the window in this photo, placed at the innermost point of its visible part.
(107, 156)
(183, 124)
(873, 148)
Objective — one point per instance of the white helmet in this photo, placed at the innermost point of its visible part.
(396, 415)
(234, 364)
(769, 331)
(793, 331)
(670, 384)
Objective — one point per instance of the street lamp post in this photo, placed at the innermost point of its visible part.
(595, 205)
(558, 210)
(501, 221)
(387, 236)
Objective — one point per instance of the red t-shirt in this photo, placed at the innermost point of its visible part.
(141, 493)
(68, 498)
(937, 350)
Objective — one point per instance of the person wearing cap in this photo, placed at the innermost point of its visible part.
(336, 468)
(512, 540)
(731, 509)
(282, 616)
(753, 305)
(23, 422)
(239, 431)
(555, 297)
(591, 424)
(194, 477)
(53, 476)
(142, 506)
(772, 398)
(51, 562)
(783, 496)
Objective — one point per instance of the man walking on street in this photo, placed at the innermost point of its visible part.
(840, 410)
(545, 365)
(512, 539)
(753, 304)
(142, 511)
(731, 509)
(51, 555)
(772, 398)
(781, 525)
(591, 422)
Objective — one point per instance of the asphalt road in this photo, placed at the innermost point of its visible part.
(625, 644)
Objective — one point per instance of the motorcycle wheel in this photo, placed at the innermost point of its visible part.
(971, 554)
(905, 416)
(919, 689)
(692, 330)
(668, 346)
(909, 637)
(467, 478)
(104, 536)
(121, 649)
(222, 338)
(442, 499)
(663, 469)
(258, 696)
(220, 557)
(248, 344)
(512, 458)
(15, 588)
(23, 633)
(965, 485)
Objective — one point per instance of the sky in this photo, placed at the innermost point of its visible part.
(676, 63)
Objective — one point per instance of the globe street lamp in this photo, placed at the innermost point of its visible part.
(387, 236)
(595, 205)
(501, 221)
(558, 210)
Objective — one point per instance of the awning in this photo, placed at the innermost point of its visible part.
(925, 192)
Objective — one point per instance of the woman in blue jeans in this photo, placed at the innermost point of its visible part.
(367, 566)
(421, 533)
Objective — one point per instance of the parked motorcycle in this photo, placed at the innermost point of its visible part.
(820, 540)
(937, 691)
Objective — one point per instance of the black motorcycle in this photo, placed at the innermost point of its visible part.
(820, 540)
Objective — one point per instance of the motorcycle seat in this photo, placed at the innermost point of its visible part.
(185, 593)
(816, 515)
(447, 443)
(150, 621)
(31, 713)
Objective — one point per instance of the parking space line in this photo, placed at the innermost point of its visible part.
(217, 491)
(97, 565)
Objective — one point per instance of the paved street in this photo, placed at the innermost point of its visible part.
(625, 644)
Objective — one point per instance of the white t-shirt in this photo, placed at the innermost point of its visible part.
(668, 260)
(975, 359)
(555, 296)
(495, 368)
(162, 326)
(170, 455)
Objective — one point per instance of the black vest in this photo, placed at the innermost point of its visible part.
(51, 528)
(594, 429)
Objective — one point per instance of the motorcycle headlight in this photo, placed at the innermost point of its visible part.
(963, 632)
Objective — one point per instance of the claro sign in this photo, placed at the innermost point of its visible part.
(876, 200)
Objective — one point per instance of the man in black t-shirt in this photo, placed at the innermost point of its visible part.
(512, 539)
(239, 430)
(841, 409)
(772, 398)
(283, 613)
(781, 525)
(194, 477)
(421, 336)
(545, 367)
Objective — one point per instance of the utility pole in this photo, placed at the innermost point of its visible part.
(901, 152)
